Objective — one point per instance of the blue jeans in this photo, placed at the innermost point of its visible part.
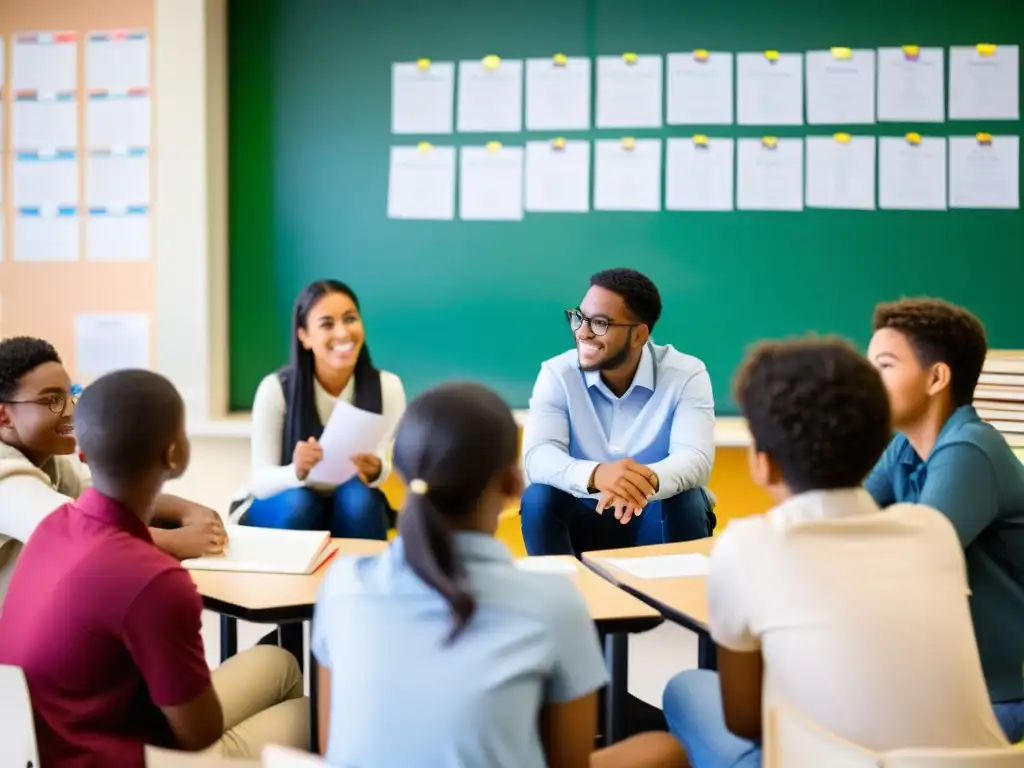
(557, 523)
(693, 709)
(352, 511)
(1010, 715)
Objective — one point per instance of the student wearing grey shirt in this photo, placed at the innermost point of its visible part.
(620, 438)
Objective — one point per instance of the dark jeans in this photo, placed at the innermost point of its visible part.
(557, 523)
(352, 511)
(1011, 717)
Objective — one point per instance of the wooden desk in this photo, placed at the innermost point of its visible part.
(681, 600)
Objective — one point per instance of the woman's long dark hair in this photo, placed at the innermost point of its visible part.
(301, 418)
(455, 440)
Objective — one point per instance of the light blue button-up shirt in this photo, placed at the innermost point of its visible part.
(402, 698)
(666, 420)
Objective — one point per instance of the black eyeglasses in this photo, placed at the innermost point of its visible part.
(56, 402)
(598, 325)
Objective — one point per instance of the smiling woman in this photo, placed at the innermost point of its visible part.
(330, 362)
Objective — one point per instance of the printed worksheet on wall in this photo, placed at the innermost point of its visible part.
(118, 119)
(491, 95)
(421, 182)
(627, 175)
(558, 176)
(841, 86)
(912, 173)
(117, 178)
(841, 172)
(422, 97)
(770, 88)
(45, 179)
(491, 183)
(110, 342)
(770, 175)
(45, 233)
(558, 94)
(117, 60)
(911, 84)
(699, 174)
(699, 88)
(118, 233)
(984, 82)
(44, 121)
(629, 91)
(984, 172)
(45, 62)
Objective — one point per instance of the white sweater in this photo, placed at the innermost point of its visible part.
(268, 477)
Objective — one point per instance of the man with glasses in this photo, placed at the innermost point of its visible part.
(620, 438)
(38, 473)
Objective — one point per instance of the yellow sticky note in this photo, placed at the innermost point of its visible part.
(841, 53)
(561, 59)
(911, 52)
(986, 49)
(772, 56)
(423, 63)
(628, 142)
(424, 146)
(984, 138)
(769, 142)
(491, 62)
(842, 138)
(913, 138)
(493, 146)
(629, 58)
(558, 143)
(700, 140)
(701, 55)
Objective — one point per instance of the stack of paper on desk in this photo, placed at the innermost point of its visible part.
(268, 550)
(662, 566)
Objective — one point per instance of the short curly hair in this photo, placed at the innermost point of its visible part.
(637, 290)
(18, 356)
(818, 408)
(940, 332)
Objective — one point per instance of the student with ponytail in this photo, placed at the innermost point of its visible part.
(482, 663)
(330, 362)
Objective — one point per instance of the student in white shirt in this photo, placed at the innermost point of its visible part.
(330, 362)
(39, 471)
(856, 617)
(482, 663)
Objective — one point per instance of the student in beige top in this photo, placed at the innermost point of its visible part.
(39, 471)
(856, 617)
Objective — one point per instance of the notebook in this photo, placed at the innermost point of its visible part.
(268, 550)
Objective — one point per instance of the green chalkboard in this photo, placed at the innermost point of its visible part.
(310, 100)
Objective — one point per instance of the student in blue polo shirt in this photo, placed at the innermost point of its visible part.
(481, 663)
(930, 354)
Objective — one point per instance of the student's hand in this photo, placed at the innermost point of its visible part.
(624, 510)
(195, 540)
(306, 456)
(368, 465)
(626, 479)
(194, 513)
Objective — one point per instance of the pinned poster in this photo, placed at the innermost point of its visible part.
(119, 233)
(45, 61)
(558, 93)
(984, 82)
(912, 173)
(699, 174)
(558, 176)
(422, 97)
(46, 233)
(45, 179)
(699, 88)
(44, 120)
(841, 172)
(984, 172)
(118, 119)
(491, 95)
(491, 183)
(770, 88)
(627, 175)
(117, 178)
(841, 86)
(911, 84)
(117, 60)
(629, 91)
(110, 342)
(770, 174)
(421, 182)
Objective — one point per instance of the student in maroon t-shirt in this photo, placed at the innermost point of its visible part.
(107, 627)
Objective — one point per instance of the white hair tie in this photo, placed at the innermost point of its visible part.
(419, 487)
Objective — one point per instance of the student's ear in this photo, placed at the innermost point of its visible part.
(5, 416)
(175, 460)
(303, 337)
(763, 471)
(939, 378)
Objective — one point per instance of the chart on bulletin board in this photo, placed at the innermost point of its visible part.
(773, 179)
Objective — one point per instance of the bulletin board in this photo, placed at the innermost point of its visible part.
(41, 298)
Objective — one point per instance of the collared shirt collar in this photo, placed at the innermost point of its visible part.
(962, 415)
(105, 509)
(643, 378)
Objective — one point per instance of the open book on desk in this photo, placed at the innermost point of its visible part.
(268, 550)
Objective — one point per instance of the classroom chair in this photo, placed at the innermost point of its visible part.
(170, 758)
(284, 757)
(17, 730)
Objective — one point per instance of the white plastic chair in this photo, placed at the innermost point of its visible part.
(1007, 757)
(797, 742)
(170, 758)
(17, 728)
(285, 757)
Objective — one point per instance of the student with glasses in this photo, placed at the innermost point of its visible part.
(620, 437)
(38, 469)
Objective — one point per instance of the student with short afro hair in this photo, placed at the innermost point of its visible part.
(930, 354)
(827, 603)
